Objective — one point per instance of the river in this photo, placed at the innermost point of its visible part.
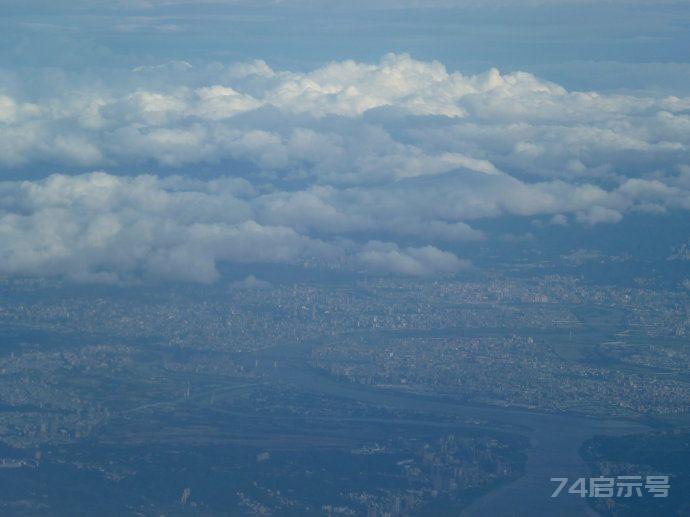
(555, 438)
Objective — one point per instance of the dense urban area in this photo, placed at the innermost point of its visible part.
(340, 399)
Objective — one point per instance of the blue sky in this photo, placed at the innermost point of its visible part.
(583, 45)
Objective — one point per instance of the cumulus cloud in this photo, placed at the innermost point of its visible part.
(598, 214)
(100, 227)
(426, 261)
(382, 166)
(109, 228)
(346, 122)
(250, 282)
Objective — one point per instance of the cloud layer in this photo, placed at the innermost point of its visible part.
(341, 165)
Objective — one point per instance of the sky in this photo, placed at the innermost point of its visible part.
(155, 140)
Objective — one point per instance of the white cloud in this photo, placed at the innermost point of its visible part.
(346, 122)
(559, 220)
(309, 164)
(250, 283)
(426, 261)
(598, 215)
(101, 227)
(131, 227)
